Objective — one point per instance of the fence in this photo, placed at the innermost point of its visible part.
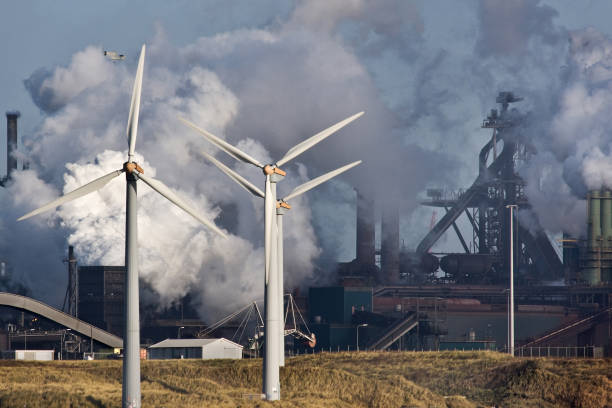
(527, 352)
(102, 356)
(560, 351)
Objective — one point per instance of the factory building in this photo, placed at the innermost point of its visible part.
(101, 297)
(463, 296)
(332, 311)
(205, 349)
(393, 297)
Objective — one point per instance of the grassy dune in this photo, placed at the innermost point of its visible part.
(368, 379)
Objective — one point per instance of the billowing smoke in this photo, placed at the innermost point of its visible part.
(510, 28)
(574, 151)
(267, 89)
(264, 90)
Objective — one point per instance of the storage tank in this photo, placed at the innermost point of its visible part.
(417, 267)
(466, 267)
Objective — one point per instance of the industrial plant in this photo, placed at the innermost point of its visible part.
(388, 297)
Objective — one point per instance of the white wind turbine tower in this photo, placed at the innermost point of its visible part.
(282, 206)
(273, 302)
(131, 342)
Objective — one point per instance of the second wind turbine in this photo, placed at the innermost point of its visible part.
(282, 206)
(272, 299)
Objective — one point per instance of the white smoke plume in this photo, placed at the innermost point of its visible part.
(265, 89)
(510, 28)
(574, 149)
(261, 89)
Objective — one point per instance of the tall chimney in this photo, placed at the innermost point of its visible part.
(606, 218)
(11, 142)
(389, 246)
(365, 230)
(590, 272)
(594, 218)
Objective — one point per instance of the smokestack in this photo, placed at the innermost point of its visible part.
(11, 142)
(590, 272)
(389, 249)
(606, 230)
(594, 217)
(365, 230)
(606, 218)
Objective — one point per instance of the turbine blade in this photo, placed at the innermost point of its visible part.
(313, 140)
(309, 185)
(162, 189)
(79, 192)
(244, 183)
(223, 145)
(132, 126)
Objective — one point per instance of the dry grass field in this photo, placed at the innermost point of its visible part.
(368, 379)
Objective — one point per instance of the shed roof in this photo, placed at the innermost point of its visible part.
(191, 343)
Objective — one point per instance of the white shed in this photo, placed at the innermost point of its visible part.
(195, 348)
(34, 355)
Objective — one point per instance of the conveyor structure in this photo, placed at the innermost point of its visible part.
(34, 306)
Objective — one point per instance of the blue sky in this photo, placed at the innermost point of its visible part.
(40, 33)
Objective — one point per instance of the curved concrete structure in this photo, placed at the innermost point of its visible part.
(51, 313)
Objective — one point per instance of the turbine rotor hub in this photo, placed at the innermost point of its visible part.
(271, 169)
(283, 204)
(129, 167)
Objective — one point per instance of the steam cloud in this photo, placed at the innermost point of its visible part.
(262, 89)
(267, 89)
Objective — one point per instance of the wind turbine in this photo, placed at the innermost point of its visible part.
(273, 307)
(133, 172)
(282, 206)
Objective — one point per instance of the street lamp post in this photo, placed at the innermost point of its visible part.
(179, 331)
(511, 334)
(25, 339)
(358, 326)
